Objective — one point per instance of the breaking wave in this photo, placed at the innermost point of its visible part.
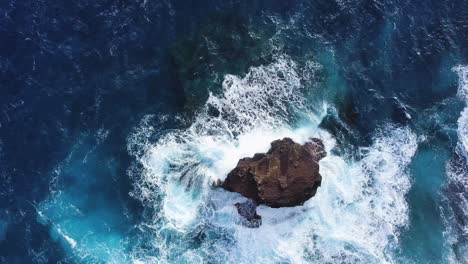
(355, 216)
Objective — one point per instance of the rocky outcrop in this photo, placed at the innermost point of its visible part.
(248, 210)
(287, 175)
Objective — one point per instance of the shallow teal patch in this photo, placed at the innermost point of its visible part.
(85, 214)
(423, 242)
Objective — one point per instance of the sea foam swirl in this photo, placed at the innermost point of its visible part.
(355, 215)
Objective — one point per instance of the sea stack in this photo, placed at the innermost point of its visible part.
(287, 175)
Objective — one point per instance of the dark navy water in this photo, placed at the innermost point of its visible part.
(116, 116)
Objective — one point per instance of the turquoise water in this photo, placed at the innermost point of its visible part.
(426, 230)
(115, 118)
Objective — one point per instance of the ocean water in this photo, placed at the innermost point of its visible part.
(116, 117)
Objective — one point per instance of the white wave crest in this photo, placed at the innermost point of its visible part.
(251, 112)
(355, 215)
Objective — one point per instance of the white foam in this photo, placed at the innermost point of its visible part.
(457, 181)
(459, 175)
(70, 240)
(462, 130)
(355, 215)
(253, 111)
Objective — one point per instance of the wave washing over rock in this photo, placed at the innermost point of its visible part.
(355, 215)
(287, 175)
(116, 117)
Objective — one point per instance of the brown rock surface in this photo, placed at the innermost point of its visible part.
(287, 175)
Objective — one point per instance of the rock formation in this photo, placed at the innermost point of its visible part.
(248, 211)
(287, 175)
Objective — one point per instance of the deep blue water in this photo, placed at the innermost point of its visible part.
(115, 116)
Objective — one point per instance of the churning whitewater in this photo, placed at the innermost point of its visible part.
(120, 119)
(355, 216)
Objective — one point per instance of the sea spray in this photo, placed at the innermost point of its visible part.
(355, 215)
(251, 112)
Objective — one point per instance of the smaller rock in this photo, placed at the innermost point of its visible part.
(217, 183)
(248, 210)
